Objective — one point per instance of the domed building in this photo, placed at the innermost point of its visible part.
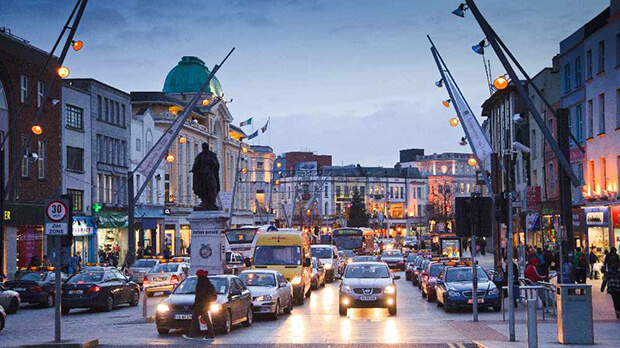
(210, 122)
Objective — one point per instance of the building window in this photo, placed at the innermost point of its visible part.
(618, 109)
(362, 191)
(590, 119)
(419, 189)
(106, 106)
(604, 178)
(391, 192)
(567, 78)
(75, 117)
(75, 158)
(123, 119)
(533, 143)
(580, 172)
(99, 108)
(25, 162)
(601, 114)
(138, 145)
(577, 71)
(41, 160)
(589, 64)
(601, 57)
(337, 191)
(77, 199)
(23, 90)
(551, 178)
(326, 193)
(591, 176)
(579, 123)
(40, 93)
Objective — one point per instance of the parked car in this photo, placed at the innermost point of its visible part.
(36, 285)
(99, 287)
(393, 258)
(2, 318)
(409, 262)
(164, 277)
(367, 284)
(318, 274)
(272, 294)
(233, 305)
(328, 255)
(454, 289)
(418, 273)
(9, 299)
(140, 268)
(417, 269)
(234, 263)
(429, 279)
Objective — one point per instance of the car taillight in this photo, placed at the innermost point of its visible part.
(174, 279)
(94, 289)
(145, 282)
(36, 289)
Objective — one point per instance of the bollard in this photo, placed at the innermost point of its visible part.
(532, 325)
(144, 313)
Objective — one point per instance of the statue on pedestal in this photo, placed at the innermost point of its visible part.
(206, 181)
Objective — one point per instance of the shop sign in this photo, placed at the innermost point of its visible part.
(576, 155)
(615, 216)
(225, 201)
(596, 216)
(533, 197)
(167, 211)
(531, 222)
(81, 228)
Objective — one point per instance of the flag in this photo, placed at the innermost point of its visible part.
(246, 122)
(264, 128)
(253, 135)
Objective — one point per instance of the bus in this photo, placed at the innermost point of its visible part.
(349, 238)
(242, 240)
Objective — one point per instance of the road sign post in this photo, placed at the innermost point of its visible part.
(56, 226)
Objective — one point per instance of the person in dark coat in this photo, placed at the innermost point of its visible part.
(611, 281)
(205, 295)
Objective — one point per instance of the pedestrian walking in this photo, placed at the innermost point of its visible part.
(593, 261)
(580, 266)
(205, 294)
(73, 264)
(611, 260)
(611, 281)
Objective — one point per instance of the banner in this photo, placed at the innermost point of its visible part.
(161, 147)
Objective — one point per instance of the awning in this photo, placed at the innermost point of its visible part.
(112, 220)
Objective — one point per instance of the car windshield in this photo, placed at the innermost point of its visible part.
(86, 277)
(165, 268)
(392, 253)
(367, 271)
(30, 276)
(188, 286)
(258, 279)
(322, 253)
(465, 275)
(364, 258)
(277, 255)
(144, 263)
(241, 235)
(435, 270)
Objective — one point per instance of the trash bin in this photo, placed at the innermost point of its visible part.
(575, 320)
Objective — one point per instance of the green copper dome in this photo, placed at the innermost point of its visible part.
(189, 75)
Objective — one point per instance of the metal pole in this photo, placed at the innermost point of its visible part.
(234, 189)
(474, 265)
(131, 233)
(58, 302)
(509, 261)
(532, 325)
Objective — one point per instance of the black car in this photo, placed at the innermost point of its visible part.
(233, 306)
(454, 289)
(36, 285)
(99, 287)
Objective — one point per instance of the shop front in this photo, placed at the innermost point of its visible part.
(598, 230)
(112, 237)
(84, 238)
(23, 236)
(150, 230)
(579, 228)
(177, 233)
(615, 218)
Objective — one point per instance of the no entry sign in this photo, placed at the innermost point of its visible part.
(57, 217)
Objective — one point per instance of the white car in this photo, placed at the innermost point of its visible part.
(271, 292)
(140, 268)
(9, 299)
(328, 254)
(164, 277)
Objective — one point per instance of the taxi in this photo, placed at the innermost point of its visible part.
(165, 276)
(428, 278)
(141, 267)
(36, 285)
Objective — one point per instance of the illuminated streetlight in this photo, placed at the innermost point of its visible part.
(472, 162)
(454, 121)
(36, 129)
(277, 181)
(170, 158)
(244, 148)
(244, 170)
(279, 164)
(77, 45)
(500, 82)
(446, 102)
(205, 102)
(63, 72)
(182, 139)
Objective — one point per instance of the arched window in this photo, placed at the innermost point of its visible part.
(148, 141)
(3, 103)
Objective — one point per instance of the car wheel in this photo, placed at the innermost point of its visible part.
(13, 306)
(163, 331)
(447, 307)
(309, 293)
(135, 298)
(227, 324)
(276, 314)
(1, 323)
(109, 304)
(314, 285)
(249, 317)
(342, 310)
(49, 301)
(497, 308)
(65, 310)
(289, 309)
(392, 310)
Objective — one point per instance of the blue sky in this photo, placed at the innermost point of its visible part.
(354, 79)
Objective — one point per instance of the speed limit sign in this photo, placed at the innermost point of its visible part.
(56, 217)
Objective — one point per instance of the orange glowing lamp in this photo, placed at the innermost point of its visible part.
(454, 121)
(472, 162)
(63, 72)
(500, 83)
(36, 129)
(77, 45)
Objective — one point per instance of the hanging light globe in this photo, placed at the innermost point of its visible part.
(500, 82)
(454, 121)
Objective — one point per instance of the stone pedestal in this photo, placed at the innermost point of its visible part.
(208, 245)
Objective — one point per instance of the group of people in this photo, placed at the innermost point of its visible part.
(74, 265)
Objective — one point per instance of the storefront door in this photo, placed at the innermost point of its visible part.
(29, 244)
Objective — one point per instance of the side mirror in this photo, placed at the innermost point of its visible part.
(396, 277)
(234, 293)
(338, 277)
(283, 284)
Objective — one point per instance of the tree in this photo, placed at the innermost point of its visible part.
(358, 216)
(439, 207)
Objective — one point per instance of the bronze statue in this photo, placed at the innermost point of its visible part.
(206, 181)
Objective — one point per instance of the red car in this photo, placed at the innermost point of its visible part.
(417, 273)
(429, 279)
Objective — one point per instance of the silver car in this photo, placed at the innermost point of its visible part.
(271, 292)
(138, 270)
(2, 318)
(367, 284)
(164, 277)
(9, 299)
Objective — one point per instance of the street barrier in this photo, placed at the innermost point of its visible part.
(575, 317)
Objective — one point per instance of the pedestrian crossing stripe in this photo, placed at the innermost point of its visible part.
(456, 345)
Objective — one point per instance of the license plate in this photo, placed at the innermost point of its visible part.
(183, 317)
(368, 298)
(159, 279)
(75, 292)
(19, 289)
(471, 300)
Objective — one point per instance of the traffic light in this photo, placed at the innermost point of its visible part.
(463, 219)
(501, 208)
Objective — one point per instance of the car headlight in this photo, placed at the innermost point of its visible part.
(264, 298)
(346, 289)
(215, 307)
(163, 308)
(452, 293)
(328, 266)
(296, 280)
(494, 291)
(349, 261)
(390, 289)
